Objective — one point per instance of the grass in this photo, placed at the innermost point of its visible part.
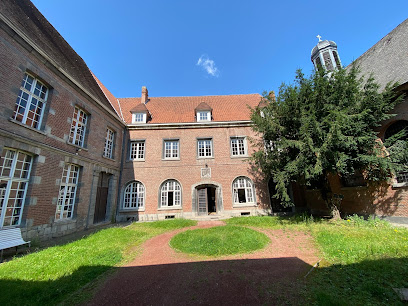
(362, 260)
(52, 275)
(221, 240)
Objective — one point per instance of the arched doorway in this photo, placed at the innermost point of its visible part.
(207, 199)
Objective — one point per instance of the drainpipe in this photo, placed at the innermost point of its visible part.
(121, 171)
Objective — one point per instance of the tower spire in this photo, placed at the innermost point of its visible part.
(325, 56)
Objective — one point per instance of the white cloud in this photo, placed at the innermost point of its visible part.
(208, 65)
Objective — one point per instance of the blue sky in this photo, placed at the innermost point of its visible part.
(192, 48)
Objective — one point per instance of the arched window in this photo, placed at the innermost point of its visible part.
(170, 194)
(243, 191)
(134, 196)
(393, 129)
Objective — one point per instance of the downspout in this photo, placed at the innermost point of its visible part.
(120, 172)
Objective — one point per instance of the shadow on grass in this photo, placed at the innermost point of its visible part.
(224, 282)
(369, 282)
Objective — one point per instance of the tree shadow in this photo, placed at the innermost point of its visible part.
(224, 282)
(369, 282)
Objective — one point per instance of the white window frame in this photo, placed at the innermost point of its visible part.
(22, 168)
(238, 146)
(137, 150)
(134, 196)
(170, 186)
(138, 117)
(203, 116)
(78, 127)
(67, 192)
(171, 149)
(205, 148)
(109, 141)
(245, 184)
(33, 95)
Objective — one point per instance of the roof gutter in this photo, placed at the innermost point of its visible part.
(191, 125)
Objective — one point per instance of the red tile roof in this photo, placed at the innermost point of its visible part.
(111, 98)
(182, 109)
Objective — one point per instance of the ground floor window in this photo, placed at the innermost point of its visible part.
(243, 191)
(15, 168)
(170, 194)
(134, 196)
(67, 192)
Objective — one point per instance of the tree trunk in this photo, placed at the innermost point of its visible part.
(332, 202)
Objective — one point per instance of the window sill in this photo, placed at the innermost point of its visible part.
(205, 157)
(135, 160)
(238, 205)
(170, 159)
(76, 146)
(399, 185)
(27, 127)
(65, 220)
(239, 156)
(170, 208)
(131, 210)
(108, 158)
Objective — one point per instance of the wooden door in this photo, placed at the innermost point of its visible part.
(101, 198)
(202, 201)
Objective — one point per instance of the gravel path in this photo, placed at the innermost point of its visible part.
(163, 276)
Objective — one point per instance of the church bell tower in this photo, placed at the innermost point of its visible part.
(325, 56)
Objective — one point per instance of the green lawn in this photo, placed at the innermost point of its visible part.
(362, 260)
(52, 275)
(218, 241)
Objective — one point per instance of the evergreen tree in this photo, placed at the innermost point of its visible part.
(320, 125)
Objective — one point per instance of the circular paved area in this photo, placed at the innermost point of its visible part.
(163, 276)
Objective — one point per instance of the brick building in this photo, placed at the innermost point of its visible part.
(73, 156)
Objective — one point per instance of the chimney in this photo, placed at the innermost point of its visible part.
(144, 95)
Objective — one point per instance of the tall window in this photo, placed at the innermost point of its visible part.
(110, 137)
(134, 196)
(243, 191)
(31, 102)
(238, 147)
(204, 147)
(170, 194)
(171, 149)
(67, 192)
(137, 150)
(15, 170)
(78, 127)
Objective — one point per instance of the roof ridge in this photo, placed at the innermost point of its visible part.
(195, 96)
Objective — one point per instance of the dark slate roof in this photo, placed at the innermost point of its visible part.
(388, 59)
(139, 108)
(26, 17)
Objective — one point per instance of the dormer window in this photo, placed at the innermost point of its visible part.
(139, 118)
(203, 112)
(204, 116)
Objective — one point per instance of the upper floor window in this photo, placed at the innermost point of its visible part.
(204, 148)
(243, 191)
(14, 176)
(170, 194)
(171, 149)
(67, 192)
(137, 150)
(139, 118)
(78, 127)
(203, 116)
(238, 146)
(30, 102)
(109, 140)
(134, 196)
